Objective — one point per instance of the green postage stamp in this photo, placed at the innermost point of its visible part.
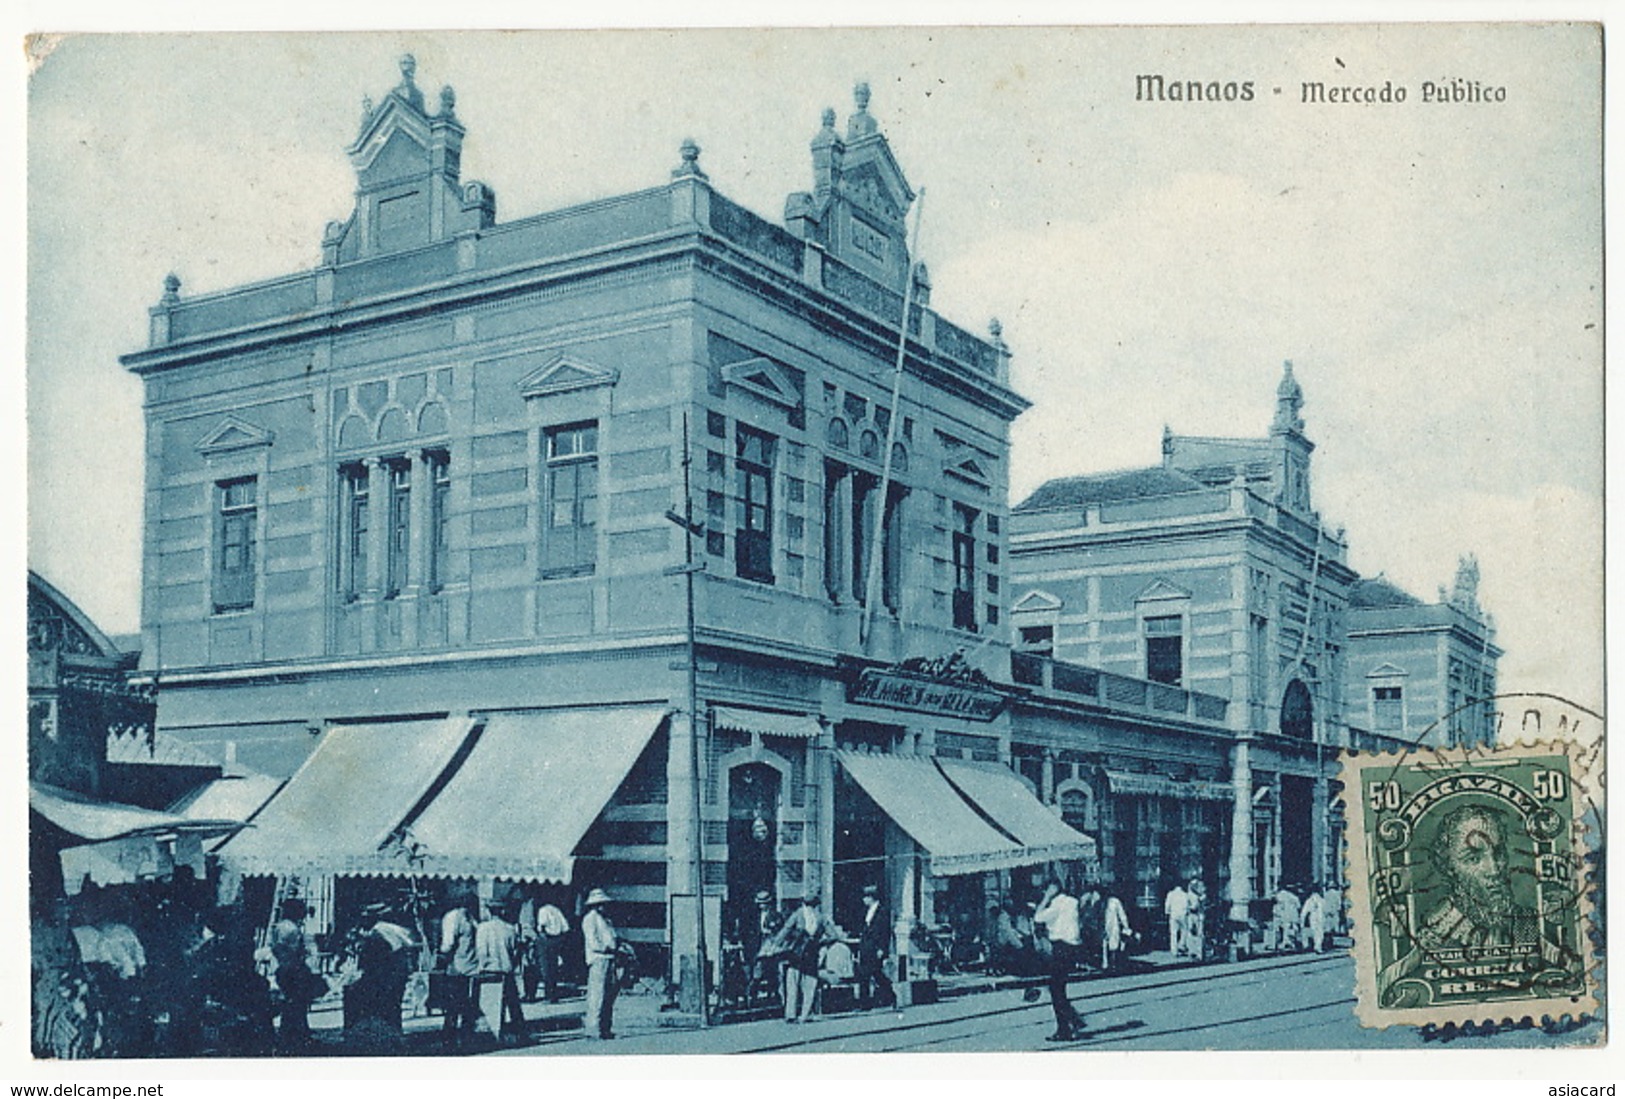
(1468, 884)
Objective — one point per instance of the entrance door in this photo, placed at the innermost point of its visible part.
(753, 836)
(1297, 830)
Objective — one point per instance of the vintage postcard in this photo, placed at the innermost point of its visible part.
(856, 541)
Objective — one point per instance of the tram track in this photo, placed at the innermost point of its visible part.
(1185, 982)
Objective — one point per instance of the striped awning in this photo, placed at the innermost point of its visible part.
(997, 791)
(737, 719)
(530, 788)
(97, 820)
(336, 812)
(915, 795)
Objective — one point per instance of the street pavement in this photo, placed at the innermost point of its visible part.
(1286, 1002)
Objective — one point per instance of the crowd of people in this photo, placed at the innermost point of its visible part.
(159, 969)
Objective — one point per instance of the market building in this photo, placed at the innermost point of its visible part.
(1423, 672)
(1211, 577)
(594, 549)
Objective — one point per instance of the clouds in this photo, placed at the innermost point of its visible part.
(1432, 272)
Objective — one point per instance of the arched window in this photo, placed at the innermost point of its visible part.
(869, 444)
(899, 458)
(1297, 711)
(1077, 808)
(838, 435)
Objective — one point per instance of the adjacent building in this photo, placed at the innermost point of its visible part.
(1209, 573)
(1422, 672)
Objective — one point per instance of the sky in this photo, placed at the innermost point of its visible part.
(1433, 271)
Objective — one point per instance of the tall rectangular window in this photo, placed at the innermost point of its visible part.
(399, 547)
(863, 533)
(439, 548)
(834, 532)
(1388, 709)
(1165, 649)
(753, 541)
(353, 545)
(891, 562)
(236, 518)
(570, 516)
(1258, 669)
(964, 547)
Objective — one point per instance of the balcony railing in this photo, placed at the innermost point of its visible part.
(1116, 692)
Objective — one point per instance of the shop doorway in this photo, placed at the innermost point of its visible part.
(1297, 830)
(753, 836)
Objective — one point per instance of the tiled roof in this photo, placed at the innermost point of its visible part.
(1102, 488)
(1377, 592)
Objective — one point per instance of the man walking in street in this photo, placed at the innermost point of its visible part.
(601, 944)
(1177, 908)
(801, 940)
(1059, 914)
(874, 941)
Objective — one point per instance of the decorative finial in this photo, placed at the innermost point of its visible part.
(448, 102)
(1167, 441)
(828, 118)
(860, 124)
(1288, 402)
(172, 289)
(690, 152)
(995, 328)
(366, 109)
(407, 90)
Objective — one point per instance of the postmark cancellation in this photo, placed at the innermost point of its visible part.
(1468, 884)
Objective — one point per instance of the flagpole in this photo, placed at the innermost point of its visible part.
(877, 538)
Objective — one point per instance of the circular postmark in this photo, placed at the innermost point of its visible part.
(1474, 865)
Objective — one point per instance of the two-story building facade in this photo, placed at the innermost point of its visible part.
(418, 518)
(1424, 673)
(1210, 573)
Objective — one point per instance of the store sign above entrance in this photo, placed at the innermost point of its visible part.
(946, 685)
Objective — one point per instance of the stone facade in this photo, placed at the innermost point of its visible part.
(1213, 574)
(443, 473)
(1423, 672)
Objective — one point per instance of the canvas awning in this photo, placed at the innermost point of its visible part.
(533, 784)
(97, 820)
(997, 791)
(741, 720)
(914, 794)
(350, 795)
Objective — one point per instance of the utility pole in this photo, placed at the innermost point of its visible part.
(688, 569)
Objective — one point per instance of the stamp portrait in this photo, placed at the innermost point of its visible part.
(1468, 882)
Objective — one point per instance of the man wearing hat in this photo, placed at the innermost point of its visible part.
(874, 937)
(601, 943)
(800, 942)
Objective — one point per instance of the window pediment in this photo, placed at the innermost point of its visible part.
(1036, 602)
(763, 378)
(565, 373)
(1386, 671)
(1160, 590)
(233, 434)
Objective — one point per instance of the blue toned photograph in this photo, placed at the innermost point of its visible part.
(809, 541)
